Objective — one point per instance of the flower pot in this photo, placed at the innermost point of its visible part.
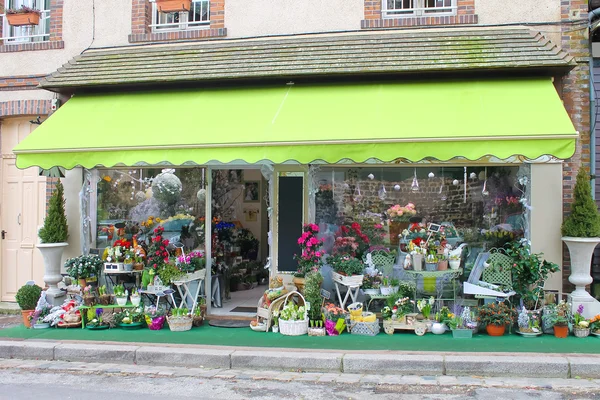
(437, 328)
(43, 325)
(417, 262)
(495, 330)
(561, 331)
(299, 282)
(431, 266)
(454, 264)
(581, 251)
(581, 332)
(396, 229)
(121, 301)
(168, 6)
(25, 315)
(462, 333)
(23, 19)
(128, 267)
(371, 292)
(135, 300)
(82, 282)
(138, 266)
(442, 265)
(105, 299)
(275, 329)
(52, 254)
(386, 290)
(89, 301)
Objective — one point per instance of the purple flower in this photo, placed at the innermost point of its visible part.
(580, 309)
(99, 311)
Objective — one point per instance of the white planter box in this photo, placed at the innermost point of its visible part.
(354, 280)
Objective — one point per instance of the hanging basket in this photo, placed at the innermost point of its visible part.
(23, 19)
(169, 6)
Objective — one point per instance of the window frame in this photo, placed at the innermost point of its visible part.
(419, 10)
(183, 25)
(15, 35)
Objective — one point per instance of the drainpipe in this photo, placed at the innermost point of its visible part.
(591, 15)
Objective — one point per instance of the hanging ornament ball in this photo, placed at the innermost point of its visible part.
(371, 176)
(140, 196)
(396, 187)
(201, 195)
(472, 175)
(431, 175)
(455, 182)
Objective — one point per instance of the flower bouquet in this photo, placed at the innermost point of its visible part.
(155, 317)
(335, 319)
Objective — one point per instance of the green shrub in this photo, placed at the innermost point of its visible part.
(312, 294)
(27, 296)
(55, 229)
(584, 220)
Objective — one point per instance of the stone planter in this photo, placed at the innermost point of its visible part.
(581, 251)
(52, 255)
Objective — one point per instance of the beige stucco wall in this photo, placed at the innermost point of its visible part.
(546, 203)
(267, 17)
(72, 185)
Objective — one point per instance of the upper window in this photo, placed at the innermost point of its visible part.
(27, 33)
(412, 8)
(197, 17)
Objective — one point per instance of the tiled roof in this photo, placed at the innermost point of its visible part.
(364, 53)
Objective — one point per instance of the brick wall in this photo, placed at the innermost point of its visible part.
(25, 82)
(24, 107)
(574, 88)
(465, 14)
(55, 41)
(141, 18)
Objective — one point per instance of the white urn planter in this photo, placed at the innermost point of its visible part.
(581, 251)
(52, 255)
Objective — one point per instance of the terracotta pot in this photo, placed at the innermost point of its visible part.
(168, 6)
(442, 265)
(561, 331)
(82, 282)
(299, 282)
(495, 330)
(138, 266)
(23, 19)
(25, 314)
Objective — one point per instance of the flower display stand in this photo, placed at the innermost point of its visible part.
(407, 322)
(352, 284)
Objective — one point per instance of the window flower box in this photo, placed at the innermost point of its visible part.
(23, 16)
(169, 6)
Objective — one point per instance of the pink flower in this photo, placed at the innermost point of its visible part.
(314, 227)
(378, 226)
(308, 244)
(318, 254)
(300, 241)
(314, 240)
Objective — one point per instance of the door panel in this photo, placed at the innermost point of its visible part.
(22, 209)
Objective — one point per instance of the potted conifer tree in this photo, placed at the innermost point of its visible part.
(53, 237)
(581, 233)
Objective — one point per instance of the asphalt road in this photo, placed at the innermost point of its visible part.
(22, 384)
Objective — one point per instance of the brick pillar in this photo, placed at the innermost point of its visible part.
(575, 95)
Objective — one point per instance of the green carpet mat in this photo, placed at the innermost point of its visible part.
(208, 335)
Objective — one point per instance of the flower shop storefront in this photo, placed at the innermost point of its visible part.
(365, 163)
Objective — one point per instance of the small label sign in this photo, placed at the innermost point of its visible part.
(325, 294)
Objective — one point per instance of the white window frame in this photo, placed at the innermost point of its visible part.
(419, 9)
(162, 22)
(31, 33)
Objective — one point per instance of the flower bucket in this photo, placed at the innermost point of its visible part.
(462, 333)
(495, 330)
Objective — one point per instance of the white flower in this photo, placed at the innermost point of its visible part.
(584, 324)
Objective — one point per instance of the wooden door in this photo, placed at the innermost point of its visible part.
(22, 210)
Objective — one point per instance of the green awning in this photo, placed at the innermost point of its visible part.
(384, 121)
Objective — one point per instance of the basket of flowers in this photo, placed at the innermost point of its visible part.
(293, 320)
(180, 320)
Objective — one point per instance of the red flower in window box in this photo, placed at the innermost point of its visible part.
(169, 6)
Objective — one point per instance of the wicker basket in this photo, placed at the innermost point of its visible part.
(316, 331)
(364, 328)
(179, 324)
(579, 332)
(293, 328)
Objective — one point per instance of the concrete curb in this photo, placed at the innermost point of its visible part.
(383, 363)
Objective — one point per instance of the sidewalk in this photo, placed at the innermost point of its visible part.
(563, 366)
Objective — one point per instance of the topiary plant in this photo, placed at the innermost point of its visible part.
(312, 294)
(55, 229)
(27, 296)
(584, 220)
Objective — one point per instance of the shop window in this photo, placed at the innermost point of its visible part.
(27, 33)
(403, 8)
(134, 202)
(198, 17)
(487, 210)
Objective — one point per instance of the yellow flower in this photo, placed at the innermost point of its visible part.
(107, 178)
(158, 220)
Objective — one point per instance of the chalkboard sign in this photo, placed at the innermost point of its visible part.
(291, 194)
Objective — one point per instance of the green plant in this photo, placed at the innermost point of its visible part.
(84, 266)
(496, 314)
(55, 229)
(27, 296)
(291, 312)
(23, 10)
(180, 312)
(169, 273)
(312, 294)
(129, 316)
(397, 306)
(584, 220)
(119, 291)
(344, 264)
(529, 272)
(102, 290)
(424, 306)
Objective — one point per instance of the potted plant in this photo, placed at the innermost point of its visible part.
(155, 317)
(89, 298)
(431, 262)
(169, 6)
(335, 319)
(386, 286)
(83, 267)
(23, 16)
(130, 319)
(581, 233)
(312, 294)
(37, 319)
(371, 284)
(98, 323)
(581, 326)
(198, 316)
(135, 297)
(293, 320)
(53, 236)
(442, 263)
(310, 257)
(460, 328)
(529, 323)
(120, 294)
(424, 306)
(275, 327)
(398, 219)
(347, 270)
(180, 320)
(128, 260)
(104, 298)
(495, 317)
(442, 317)
(454, 261)
(27, 298)
(595, 325)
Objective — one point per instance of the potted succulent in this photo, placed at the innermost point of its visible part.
(581, 233)
(27, 298)
(581, 326)
(23, 16)
(495, 317)
(169, 6)
(53, 236)
(120, 294)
